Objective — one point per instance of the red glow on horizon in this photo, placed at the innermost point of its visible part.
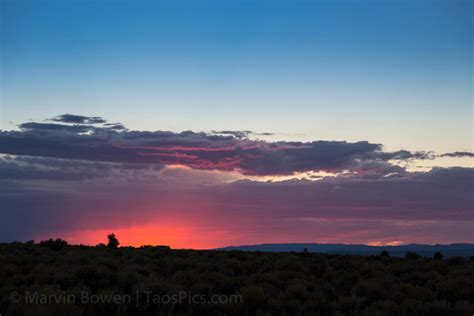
(154, 235)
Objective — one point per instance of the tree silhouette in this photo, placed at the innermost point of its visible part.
(384, 253)
(113, 241)
(438, 256)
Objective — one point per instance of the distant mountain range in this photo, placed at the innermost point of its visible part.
(451, 250)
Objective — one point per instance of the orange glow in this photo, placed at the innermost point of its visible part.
(387, 243)
(133, 236)
(136, 236)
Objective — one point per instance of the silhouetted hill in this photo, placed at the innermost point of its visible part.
(451, 250)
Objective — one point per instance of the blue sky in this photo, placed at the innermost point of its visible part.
(342, 85)
(391, 72)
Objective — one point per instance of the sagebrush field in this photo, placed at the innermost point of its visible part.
(164, 281)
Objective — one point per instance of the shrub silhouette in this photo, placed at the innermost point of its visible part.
(438, 256)
(384, 253)
(54, 244)
(113, 241)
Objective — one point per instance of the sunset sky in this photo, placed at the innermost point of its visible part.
(200, 124)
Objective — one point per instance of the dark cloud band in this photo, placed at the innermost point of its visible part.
(459, 154)
(223, 150)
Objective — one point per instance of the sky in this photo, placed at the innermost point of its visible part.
(203, 124)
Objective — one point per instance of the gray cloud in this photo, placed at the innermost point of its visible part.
(22, 168)
(55, 127)
(406, 155)
(236, 134)
(78, 119)
(458, 154)
(223, 150)
(115, 126)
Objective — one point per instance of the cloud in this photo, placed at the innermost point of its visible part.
(236, 134)
(406, 155)
(56, 127)
(78, 119)
(115, 126)
(442, 193)
(459, 154)
(73, 176)
(434, 206)
(23, 168)
(222, 150)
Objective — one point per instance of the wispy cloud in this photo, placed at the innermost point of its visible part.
(459, 154)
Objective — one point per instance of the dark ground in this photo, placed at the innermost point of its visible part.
(56, 279)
